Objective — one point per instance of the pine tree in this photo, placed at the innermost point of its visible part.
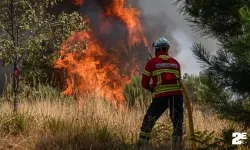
(214, 18)
(226, 73)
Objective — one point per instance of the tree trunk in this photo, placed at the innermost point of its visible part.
(15, 87)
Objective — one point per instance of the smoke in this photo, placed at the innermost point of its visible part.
(111, 29)
(162, 16)
(157, 23)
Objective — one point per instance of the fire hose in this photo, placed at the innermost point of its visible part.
(190, 117)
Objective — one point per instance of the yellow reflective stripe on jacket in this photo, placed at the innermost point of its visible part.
(147, 73)
(159, 87)
(177, 75)
(159, 71)
(164, 56)
(158, 79)
(166, 90)
(159, 92)
(145, 134)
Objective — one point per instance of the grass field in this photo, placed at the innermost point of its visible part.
(48, 120)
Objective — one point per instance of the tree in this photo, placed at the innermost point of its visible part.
(226, 72)
(193, 85)
(27, 31)
(214, 18)
(230, 66)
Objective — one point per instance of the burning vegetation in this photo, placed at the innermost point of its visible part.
(110, 53)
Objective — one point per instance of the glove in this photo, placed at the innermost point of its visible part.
(152, 89)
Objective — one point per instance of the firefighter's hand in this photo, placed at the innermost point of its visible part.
(152, 89)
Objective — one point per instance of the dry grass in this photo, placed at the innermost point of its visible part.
(59, 125)
(47, 120)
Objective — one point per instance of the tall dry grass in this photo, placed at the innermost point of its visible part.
(48, 120)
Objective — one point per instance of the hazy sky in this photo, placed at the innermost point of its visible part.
(180, 31)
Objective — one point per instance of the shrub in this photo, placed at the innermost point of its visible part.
(134, 93)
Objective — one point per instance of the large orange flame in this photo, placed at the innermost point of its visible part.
(90, 68)
(130, 16)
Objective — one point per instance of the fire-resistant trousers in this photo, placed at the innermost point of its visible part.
(157, 108)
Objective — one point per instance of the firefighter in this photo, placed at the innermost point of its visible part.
(165, 72)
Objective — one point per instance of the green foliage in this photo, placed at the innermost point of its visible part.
(219, 19)
(226, 73)
(194, 87)
(162, 132)
(206, 140)
(29, 33)
(39, 92)
(209, 140)
(211, 97)
(242, 43)
(230, 66)
(245, 17)
(102, 134)
(56, 125)
(135, 94)
(68, 134)
(16, 123)
(203, 92)
(212, 92)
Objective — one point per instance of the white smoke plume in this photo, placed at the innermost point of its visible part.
(178, 29)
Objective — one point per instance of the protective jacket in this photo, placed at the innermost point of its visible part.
(166, 74)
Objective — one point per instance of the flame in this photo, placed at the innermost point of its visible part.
(130, 16)
(90, 67)
(78, 2)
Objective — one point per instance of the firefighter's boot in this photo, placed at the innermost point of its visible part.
(177, 142)
(143, 140)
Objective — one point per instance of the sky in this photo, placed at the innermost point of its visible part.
(180, 31)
